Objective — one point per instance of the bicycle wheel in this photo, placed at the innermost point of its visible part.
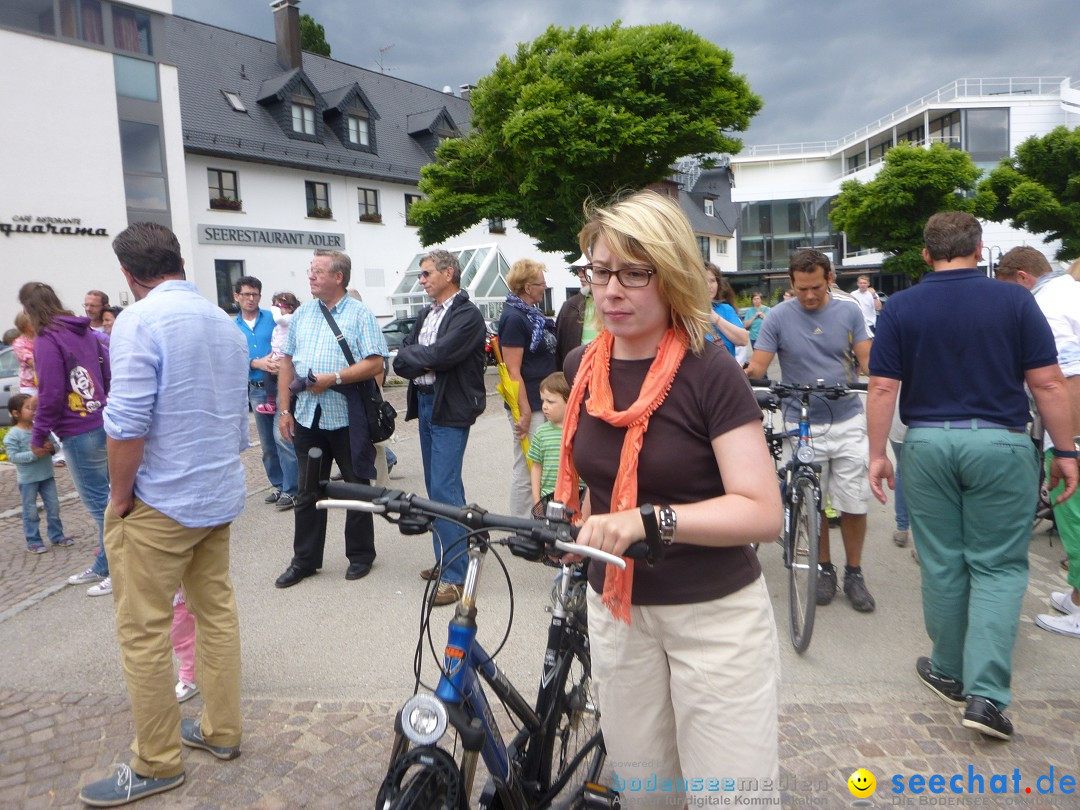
(802, 558)
(573, 742)
(425, 778)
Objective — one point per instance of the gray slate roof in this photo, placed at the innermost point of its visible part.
(211, 59)
(716, 184)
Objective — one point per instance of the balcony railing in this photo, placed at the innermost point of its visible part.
(961, 88)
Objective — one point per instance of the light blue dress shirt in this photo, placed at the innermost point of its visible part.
(179, 381)
(313, 346)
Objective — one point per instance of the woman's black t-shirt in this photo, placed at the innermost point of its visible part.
(515, 329)
(709, 396)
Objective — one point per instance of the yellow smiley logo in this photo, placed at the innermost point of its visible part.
(862, 783)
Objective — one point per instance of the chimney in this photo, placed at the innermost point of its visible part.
(287, 32)
(466, 90)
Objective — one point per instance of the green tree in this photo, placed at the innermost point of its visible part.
(313, 36)
(582, 113)
(889, 212)
(1039, 189)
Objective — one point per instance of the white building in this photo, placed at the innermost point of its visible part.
(91, 141)
(786, 190)
(251, 151)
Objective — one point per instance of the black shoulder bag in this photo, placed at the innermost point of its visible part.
(379, 414)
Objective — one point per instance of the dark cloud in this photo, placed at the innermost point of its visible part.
(823, 69)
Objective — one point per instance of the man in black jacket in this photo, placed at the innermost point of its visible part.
(443, 359)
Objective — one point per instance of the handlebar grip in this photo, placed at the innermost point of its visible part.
(760, 383)
(347, 491)
(858, 386)
(312, 471)
(637, 551)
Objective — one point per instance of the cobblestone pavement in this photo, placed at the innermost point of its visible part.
(307, 753)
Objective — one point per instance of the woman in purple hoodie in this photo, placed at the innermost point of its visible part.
(72, 366)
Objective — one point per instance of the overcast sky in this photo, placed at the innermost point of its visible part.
(823, 68)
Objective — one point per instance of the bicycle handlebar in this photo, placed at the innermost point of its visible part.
(782, 390)
(549, 533)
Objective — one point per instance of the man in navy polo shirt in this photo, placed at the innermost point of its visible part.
(257, 325)
(971, 473)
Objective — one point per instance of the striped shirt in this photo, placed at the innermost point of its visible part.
(430, 331)
(312, 346)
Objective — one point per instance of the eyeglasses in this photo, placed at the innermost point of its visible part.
(250, 295)
(628, 276)
(425, 273)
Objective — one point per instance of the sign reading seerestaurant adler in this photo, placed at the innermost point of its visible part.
(43, 226)
(266, 237)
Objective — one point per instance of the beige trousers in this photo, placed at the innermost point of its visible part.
(149, 555)
(688, 698)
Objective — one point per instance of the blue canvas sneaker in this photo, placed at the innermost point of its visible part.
(126, 786)
(191, 736)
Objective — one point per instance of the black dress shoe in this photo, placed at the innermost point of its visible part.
(292, 575)
(948, 689)
(358, 570)
(982, 715)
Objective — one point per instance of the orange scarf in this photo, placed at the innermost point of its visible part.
(594, 375)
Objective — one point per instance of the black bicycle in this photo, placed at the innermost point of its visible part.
(800, 486)
(556, 757)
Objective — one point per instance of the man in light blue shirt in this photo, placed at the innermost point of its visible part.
(313, 353)
(176, 423)
(257, 325)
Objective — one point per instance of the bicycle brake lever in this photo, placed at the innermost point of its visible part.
(589, 551)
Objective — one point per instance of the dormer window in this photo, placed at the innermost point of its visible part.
(358, 130)
(710, 210)
(303, 115)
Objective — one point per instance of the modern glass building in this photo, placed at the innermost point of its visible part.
(785, 191)
(483, 274)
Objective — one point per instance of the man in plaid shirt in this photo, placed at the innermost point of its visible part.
(322, 419)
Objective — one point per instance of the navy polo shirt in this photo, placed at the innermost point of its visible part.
(258, 340)
(960, 343)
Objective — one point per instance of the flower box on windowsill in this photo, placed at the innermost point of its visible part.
(320, 213)
(226, 204)
(371, 217)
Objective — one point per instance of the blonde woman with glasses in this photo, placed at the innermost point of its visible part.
(684, 653)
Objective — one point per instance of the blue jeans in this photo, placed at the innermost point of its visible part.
(286, 455)
(264, 424)
(903, 522)
(88, 461)
(30, 521)
(443, 451)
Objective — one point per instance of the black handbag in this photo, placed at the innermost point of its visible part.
(378, 413)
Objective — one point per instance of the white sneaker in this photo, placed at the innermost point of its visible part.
(103, 588)
(1066, 625)
(85, 578)
(1062, 601)
(185, 691)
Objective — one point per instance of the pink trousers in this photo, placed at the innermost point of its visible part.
(183, 638)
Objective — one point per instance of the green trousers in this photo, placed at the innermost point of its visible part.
(1067, 520)
(971, 494)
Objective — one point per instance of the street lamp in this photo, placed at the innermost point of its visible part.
(988, 254)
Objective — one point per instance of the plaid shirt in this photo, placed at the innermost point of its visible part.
(312, 345)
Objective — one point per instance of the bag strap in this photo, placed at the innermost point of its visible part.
(337, 334)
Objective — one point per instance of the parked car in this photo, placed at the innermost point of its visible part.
(396, 331)
(9, 381)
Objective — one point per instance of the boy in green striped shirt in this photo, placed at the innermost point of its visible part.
(546, 442)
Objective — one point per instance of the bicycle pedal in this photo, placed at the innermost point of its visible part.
(599, 797)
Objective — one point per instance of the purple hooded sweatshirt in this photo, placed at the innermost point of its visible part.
(72, 365)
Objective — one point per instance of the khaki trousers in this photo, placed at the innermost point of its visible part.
(688, 698)
(149, 555)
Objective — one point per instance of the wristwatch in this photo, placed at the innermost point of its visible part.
(337, 378)
(1059, 453)
(284, 413)
(668, 522)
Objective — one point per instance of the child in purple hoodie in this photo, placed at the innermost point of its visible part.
(73, 382)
